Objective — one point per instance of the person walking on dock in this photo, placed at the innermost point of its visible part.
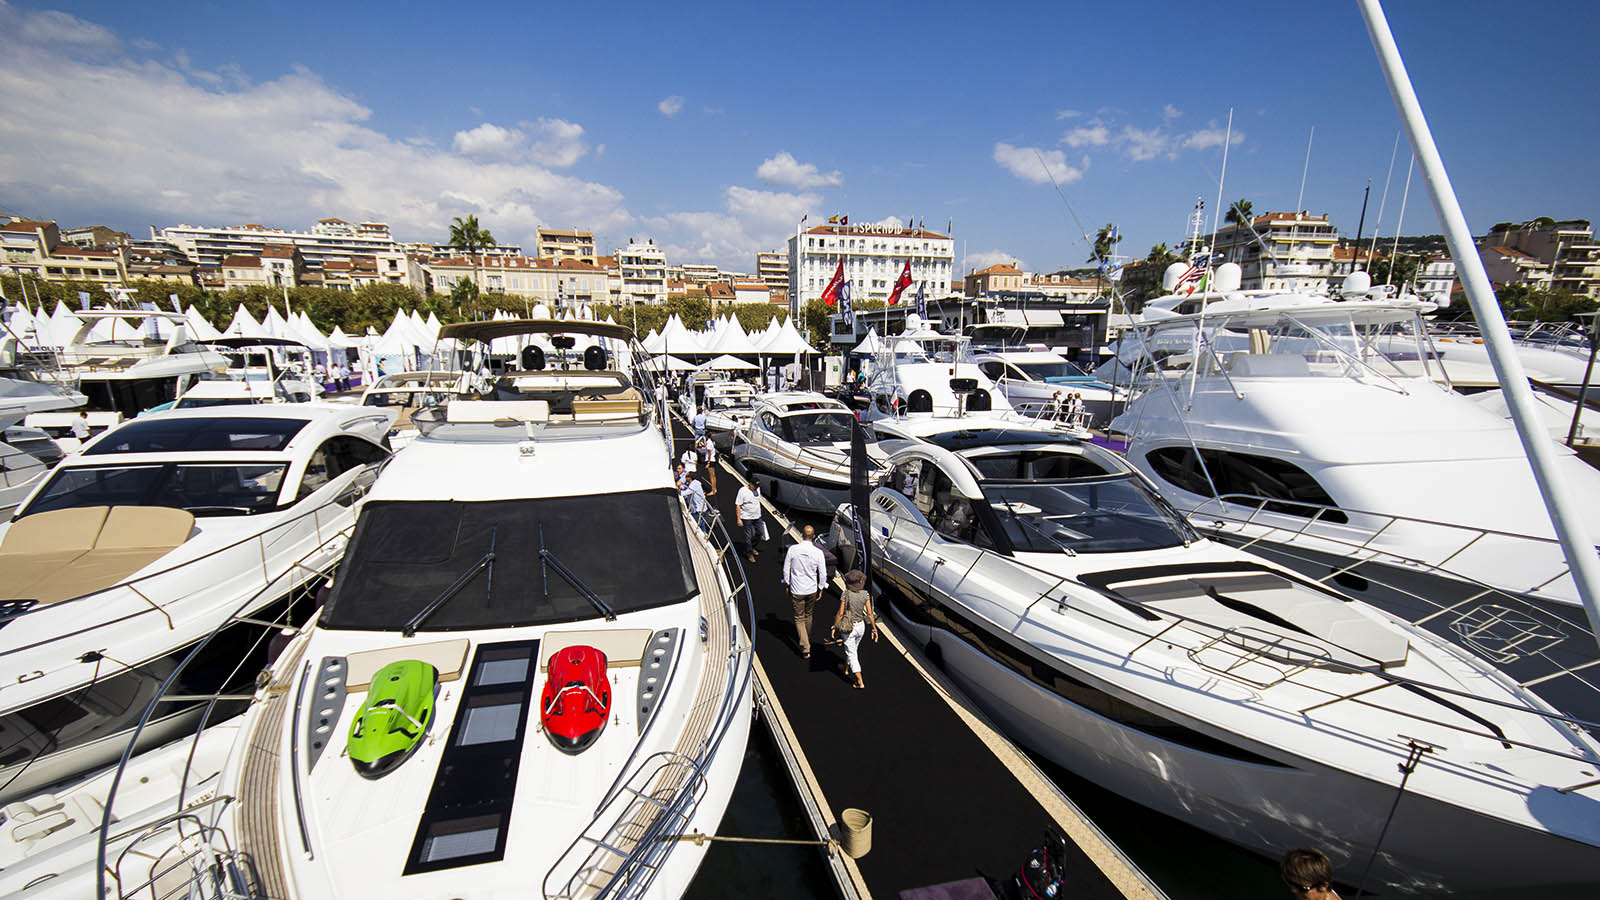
(694, 495)
(803, 572)
(706, 453)
(700, 423)
(747, 515)
(853, 620)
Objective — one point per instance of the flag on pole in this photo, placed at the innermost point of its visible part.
(922, 299)
(846, 308)
(1193, 277)
(844, 220)
(804, 217)
(900, 284)
(830, 294)
(83, 299)
(833, 220)
(173, 299)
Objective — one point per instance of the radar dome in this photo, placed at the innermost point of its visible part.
(1226, 278)
(1169, 278)
(1356, 284)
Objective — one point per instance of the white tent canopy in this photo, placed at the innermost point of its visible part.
(870, 345)
(199, 328)
(670, 363)
(733, 339)
(244, 325)
(787, 341)
(726, 364)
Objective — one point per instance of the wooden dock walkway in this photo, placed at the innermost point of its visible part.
(950, 797)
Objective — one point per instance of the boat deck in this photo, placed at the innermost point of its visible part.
(949, 797)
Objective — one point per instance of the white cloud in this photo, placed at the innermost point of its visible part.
(1170, 112)
(1025, 163)
(1212, 136)
(51, 27)
(1143, 143)
(750, 220)
(988, 258)
(670, 106)
(1067, 114)
(1088, 136)
(490, 141)
(558, 143)
(786, 170)
(167, 146)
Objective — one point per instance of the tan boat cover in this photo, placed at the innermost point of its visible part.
(66, 553)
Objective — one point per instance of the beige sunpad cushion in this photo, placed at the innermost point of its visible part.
(71, 552)
(622, 646)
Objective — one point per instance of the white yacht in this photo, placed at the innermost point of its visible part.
(26, 454)
(530, 676)
(1043, 383)
(137, 548)
(922, 374)
(115, 362)
(407, 392)
(728, 405)
(1053, 583)
(1315, 428)
(797, 444)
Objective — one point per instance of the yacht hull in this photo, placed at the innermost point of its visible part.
(1263, 806)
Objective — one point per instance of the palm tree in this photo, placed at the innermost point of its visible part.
(466, 235)
(1239, 213)
(1105, 244)
(1161, 256)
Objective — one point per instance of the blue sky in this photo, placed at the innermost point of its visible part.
(713, 127)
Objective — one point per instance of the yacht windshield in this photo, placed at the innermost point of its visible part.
(1053, 372)
(205, 489)
(629, 550)
(1115, 513)
(730, 401)
(416, 399)
(818, 428)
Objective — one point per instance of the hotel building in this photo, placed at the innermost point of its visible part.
(873, 257)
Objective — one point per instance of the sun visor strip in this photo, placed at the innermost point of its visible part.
(468, 813)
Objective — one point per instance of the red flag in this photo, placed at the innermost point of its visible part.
(830, 294)
(900, 284)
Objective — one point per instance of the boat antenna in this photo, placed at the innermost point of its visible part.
(1565, 514)
(1400, 222)
(1083, 232)
(1377, 227)
(1216, 211)
(1300, 199)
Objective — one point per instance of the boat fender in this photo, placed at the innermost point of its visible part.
(391, 723)
(576, 701)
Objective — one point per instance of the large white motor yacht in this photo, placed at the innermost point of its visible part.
(728, 405)
(408, 392)
(140, 546)
(26, 454)
(797, 444)
(1044, 383)
(1081, 610)
(530, 676)
(1315, 428)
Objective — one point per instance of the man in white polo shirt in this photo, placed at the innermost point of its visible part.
(804, 570)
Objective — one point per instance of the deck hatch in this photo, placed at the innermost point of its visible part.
(468, 813)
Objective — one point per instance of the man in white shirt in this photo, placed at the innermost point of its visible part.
(690, 461)
(747, 514)
(700, 423)
(804, 571)
(80, 426)
(694, 494)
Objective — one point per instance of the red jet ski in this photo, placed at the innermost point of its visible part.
(576, 700)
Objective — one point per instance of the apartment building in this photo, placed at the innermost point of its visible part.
(873, 257)
(772, 268)
(551, 281)
(1568, 249)
(29, 247)
(1061, 286)
(642, 268)
(1294, 252)
(995, 278)
(328, 239)
(1507, 266)
(556, 243)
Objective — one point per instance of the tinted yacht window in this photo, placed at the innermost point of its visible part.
(199, 434)
(1246, 475)
(629, 549)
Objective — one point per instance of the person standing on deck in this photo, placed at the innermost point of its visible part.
(803, 572)
(853, 620)
(700, 423)
(80, 426)
(747, 514)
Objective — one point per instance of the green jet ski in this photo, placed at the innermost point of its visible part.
(390, 725)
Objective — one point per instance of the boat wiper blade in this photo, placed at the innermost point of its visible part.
(485, 561)
(550, 560)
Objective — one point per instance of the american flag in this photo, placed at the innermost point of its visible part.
(1192, 276)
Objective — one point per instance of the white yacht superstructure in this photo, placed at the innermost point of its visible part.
(1057, 588)
(530, 676)
(797, 444)
(131, 552)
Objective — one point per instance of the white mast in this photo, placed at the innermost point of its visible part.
(1564, 513)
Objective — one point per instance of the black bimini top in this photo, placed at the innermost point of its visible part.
(956, 441)
(628, 550)
(181, 434)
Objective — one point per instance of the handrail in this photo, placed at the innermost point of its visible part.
(1210, 632)
(636, 870)
(161, 695)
